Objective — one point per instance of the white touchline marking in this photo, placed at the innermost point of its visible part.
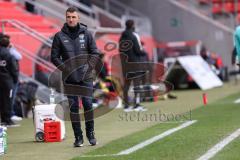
(103, 155)
(237, 101)
(147, 142)
(156, 138)
(218, 147)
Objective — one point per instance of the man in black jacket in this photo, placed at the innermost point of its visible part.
(130, 51)
(8, 77)
(72, 42)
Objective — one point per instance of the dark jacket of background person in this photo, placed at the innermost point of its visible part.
(72, 42)
(130, 46)
(8, 69)
(144, 56)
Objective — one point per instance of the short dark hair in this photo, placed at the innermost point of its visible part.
(5, 41)
(71, 10)
(129, 24)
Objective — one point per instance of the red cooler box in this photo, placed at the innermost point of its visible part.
(47, 113)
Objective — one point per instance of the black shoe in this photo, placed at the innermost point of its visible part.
(91, 138)
(78, 142)
(9, 124)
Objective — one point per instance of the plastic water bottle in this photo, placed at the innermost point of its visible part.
(5, 139)
(52, 97)
(1, 141)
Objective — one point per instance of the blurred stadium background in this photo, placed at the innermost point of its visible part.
(168, 28)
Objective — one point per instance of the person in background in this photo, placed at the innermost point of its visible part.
(17, 55)
(133, 53)
(8, 77)
(215, 62)
(237, 44)
(234, 54)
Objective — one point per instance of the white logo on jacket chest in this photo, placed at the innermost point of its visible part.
(81, 38)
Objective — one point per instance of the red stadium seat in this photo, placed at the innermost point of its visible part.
(7, 4)
(216, 8)
(229, 6)
(238, 6)
(14, 11)
(21, 17)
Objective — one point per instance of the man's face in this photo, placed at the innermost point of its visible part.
(72, 19)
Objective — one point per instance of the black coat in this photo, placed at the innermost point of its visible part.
(128, 44)
(68, 45)
(8, 69)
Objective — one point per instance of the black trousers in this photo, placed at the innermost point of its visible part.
(88, 111)
(127, 83)
(5, 104)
